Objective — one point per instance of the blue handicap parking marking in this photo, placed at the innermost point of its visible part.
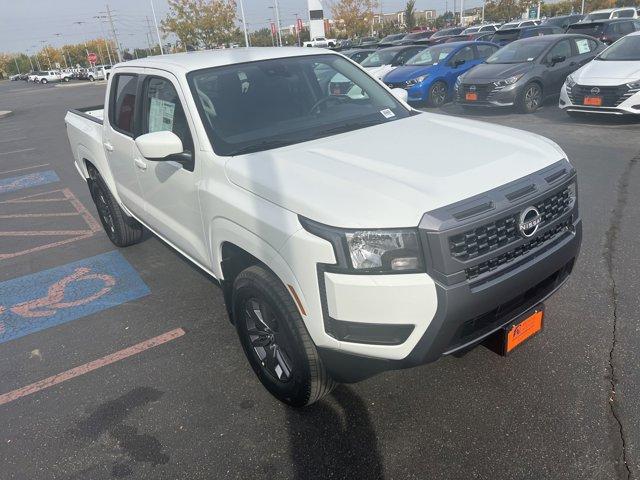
(12, 184)
(41, 300)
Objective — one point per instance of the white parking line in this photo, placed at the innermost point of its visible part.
(17, 151)
(13, 139)
(25, 168)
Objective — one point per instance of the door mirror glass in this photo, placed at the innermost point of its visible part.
(458, 62)
(557, 59)
(401, 94)
(159, 145)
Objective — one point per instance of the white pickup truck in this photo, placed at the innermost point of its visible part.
(320, 42)
(350, 233)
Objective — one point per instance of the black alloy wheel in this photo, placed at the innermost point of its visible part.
(531, 98)
(437, 94)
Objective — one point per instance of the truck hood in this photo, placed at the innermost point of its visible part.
(607, 72)
(389, 175)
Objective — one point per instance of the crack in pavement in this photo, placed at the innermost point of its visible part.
(609, 253)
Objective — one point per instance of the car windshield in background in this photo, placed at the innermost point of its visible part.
(518, 52)
(392, 38)
(381, 57)
(447, 32)
(272, 103)
(593, 29)
(625, 49)
(597, 16)
(509, 35)
(431, 56)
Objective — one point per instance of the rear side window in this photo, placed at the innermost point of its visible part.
(623, 27)
(123, 103)
(628, 13)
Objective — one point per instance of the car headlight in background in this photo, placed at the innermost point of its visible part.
(573, 191)
(394, 250)
(416, 81)
(570, 82)
(507, 81)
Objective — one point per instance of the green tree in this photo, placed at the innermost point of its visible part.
(410, 14)
(202, 23)
(354, 17)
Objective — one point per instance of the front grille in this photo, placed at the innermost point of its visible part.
(483, 91)
(612, 96)
(504, 231)
(518, 252)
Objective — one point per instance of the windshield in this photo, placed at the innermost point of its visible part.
(597, 16)
(267, 104)
(391, 38)
(418, 35)
(447, 31)
(593, 29)
(471, 30)
(431, 56)
(381, 57)
(625, 49)
(518, 52)
(509, 25)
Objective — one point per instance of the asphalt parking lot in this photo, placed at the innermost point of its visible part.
(144, 376)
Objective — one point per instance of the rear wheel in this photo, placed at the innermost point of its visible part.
(91, 79)
(121, 229)
(275, 340)
(530, 99)
(44, 80)
(437, 94)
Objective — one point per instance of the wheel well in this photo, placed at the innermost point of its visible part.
(91, 168)
(234, 261)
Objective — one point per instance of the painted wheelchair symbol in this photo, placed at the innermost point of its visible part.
(54, 300)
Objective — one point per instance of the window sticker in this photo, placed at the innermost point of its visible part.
(583, 46)
(161, 115)
(387, 113)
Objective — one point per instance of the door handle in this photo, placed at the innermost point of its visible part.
(142, 165)
(108, 146)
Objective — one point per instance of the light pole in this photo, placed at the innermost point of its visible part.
(244, 24)
(30, 62)
(64, 54)
(297, 29)
(104, 37)
(277, 10)
(47, 53)
(155, 20)
(582, 9)
(36, 55)
(15, 59)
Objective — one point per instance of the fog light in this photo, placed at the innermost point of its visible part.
(636, 107)
(405, 263)
(562, 102)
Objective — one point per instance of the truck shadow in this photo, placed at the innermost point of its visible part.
(334, 438)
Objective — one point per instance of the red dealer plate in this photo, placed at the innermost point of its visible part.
(527, 328)
(592, 101)
(471, 97)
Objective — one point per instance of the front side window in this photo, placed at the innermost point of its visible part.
(379, 58)
(463, 55)
(162, 111)
(560, 49)
(123, 94)
(405, 55)
(623, 28)
(431, 56)
(485, 51)
(267, 104)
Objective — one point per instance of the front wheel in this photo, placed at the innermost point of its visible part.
(275, 340)
(65, 79)
(437, 95)
(530, 99)
(44, 80)
(91, 79)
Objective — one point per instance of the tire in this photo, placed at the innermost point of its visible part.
(530, 99)
(91, 79)
(437, 95)
(65, 79)
(121, 229)
(273, 336)
(44, 81)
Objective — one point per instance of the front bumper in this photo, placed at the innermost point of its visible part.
(617, 99)
(468, 307)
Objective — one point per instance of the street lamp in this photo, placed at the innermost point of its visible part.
(47, 53)
(244, 24)
(63, 52)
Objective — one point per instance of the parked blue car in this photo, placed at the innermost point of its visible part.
(430, 76)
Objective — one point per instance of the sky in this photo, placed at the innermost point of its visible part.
(27, 25)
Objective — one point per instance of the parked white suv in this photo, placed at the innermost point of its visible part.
(610, 13)
(350, 233)
(99, 72)
(609, 84)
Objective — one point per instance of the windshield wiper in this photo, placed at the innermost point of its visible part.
(347, 127)
(260, 146)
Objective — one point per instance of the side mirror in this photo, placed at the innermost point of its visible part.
(457, 63)
(159, 145)
(401, 94)
(557, 59)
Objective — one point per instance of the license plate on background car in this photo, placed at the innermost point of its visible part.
(592, 101)
(511, 336)
(471, 97)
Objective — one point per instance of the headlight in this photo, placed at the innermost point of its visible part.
(570, 82)
(573, 191)
(372, 251)
(416, 81)
(634, 85)
(508, 81)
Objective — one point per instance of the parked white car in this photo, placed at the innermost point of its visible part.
(610, 13)
(609, 84)
(52, 76)
(519, 23)
(99, 72)
(350, 234)
(321, 42)
(486, 28)
(386, 60)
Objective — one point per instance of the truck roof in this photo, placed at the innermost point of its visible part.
(189, 61)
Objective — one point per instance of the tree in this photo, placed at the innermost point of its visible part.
(410, 14)
(202, 23)
(502, 10)
(355, 17)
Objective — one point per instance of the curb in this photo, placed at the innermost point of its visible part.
(5, 113)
